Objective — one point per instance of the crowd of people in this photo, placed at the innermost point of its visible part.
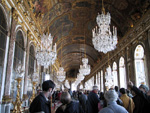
(114, 100)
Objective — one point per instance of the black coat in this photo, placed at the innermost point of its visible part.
(92, 103)
(83, 102)
(40, 104)
(141, 101)
(72, 107)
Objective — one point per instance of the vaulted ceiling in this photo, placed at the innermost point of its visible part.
(71, 23)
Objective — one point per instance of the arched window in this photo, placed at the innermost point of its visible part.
(3, 36)
(102, 82)
(18, 57)
(139, 65)
(31, 60)
(122, 73)
(115, 76)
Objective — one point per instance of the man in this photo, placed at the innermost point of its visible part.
(41, 104)
(127, 101)
(112, 106)
(142, 98)
(93, 100)
(83, 100)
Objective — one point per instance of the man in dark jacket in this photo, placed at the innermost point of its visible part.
(141, 100)
(93, 100)
(41, 104)
(83, 100)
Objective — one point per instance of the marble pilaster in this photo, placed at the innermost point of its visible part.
(26, 71)
(6, 97)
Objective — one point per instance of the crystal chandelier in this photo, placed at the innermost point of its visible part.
(85, 69)
(80, 77)
(46, 55)
(109, 78)
(103, 40)
(61, 74)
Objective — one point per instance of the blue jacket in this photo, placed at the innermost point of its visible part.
(113, 107)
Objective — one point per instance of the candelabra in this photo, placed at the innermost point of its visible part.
(33, 91)
(34, 83)
(17, 104)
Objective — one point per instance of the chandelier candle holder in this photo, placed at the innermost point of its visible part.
(85, 69)
(47, 53)
(20, 73)
(103, 40)
(35, 78)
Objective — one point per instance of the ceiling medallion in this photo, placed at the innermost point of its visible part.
(103, 40)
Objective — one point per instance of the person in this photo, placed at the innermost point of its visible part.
(83, 100)
(112, 106)
(68, 106)
(102, 102)
(41, 103)
(127, 101)
(142, 99)
(119, 101)
(70, 92)
(93, 100)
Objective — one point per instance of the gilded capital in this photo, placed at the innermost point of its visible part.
(15, 14)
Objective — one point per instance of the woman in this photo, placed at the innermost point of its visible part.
(112, 106)
(68, 106)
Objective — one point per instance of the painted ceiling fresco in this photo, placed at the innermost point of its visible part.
(71, 23)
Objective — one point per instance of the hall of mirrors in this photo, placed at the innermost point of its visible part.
(20, 39)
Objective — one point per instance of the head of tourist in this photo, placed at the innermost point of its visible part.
(122, 90)
(48, 87)
(111, 95)
(65, 98)
(95, 89)
(144, 88)
(116, 88)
